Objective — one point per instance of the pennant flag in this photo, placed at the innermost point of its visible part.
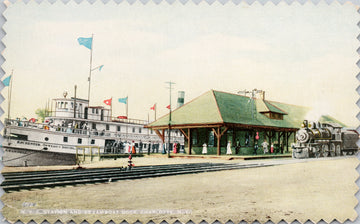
(122, 117)
(86, 42)
(123, 100)
(33, 120)
(108, 102)
(153, 107)
(6, 81)
(101, 66)
(168, 107)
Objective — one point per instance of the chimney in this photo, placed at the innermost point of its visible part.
(181, 98)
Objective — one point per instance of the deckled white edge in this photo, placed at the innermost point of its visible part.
(210, 2)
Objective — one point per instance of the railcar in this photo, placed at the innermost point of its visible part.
(315, 139)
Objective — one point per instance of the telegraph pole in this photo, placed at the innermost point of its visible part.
(170, 88)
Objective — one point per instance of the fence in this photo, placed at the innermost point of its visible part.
(87, 154)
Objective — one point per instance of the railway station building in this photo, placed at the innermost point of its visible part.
(217, 118)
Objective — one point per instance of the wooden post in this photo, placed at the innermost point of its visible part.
(287, 141)
(90, 153)
(99, 153)
(83, 154)
(189, 140)
(76, 156)
(218, 136)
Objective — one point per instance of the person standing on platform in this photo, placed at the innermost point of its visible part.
(133, 149)
(238, 146)
(256, 147)
(174, 148)
(140, 146)
(272, 148)
(228, 148)
(204, 150)
(149, 148)
(265, 146)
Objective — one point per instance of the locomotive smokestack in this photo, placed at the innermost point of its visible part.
(306, 124)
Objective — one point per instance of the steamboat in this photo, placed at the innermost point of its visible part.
(73, 124)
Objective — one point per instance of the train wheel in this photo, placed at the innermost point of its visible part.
(338, 150)
(317, 153)
(325, 150)
(332, 149)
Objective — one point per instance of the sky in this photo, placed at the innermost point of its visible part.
(302, 55)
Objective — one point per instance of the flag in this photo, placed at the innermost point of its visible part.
(6, 81)
(86, 42)
(101, 66)
(153, 107)
(123, 100)
(33, 120)
(122, 117)
(108, 102)
(168, 107)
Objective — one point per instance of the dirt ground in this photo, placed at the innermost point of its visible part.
(312, 190)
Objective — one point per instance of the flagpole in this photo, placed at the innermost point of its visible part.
(9, 93)
(91, 50)
(155, 111)
(127, 107)
(111, 109)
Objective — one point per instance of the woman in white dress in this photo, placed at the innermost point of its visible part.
(228, 148)
(204, 151)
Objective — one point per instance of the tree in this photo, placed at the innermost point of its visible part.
(42, 113)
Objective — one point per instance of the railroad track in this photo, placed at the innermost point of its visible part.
(45, 179)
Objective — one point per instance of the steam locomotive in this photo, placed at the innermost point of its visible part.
(316, 139)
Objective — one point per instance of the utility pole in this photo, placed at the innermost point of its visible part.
(170, 88)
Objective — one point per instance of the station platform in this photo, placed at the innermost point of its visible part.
(231, 157)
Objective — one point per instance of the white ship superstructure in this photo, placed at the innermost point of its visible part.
(74, 123)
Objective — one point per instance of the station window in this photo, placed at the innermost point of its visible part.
(133, 130)
(118, 128)
(65, 139)
(139, 130)
(97, 111)
(107, 127)
(92, 141)
(93, 126)
(93, 110)
(151, 131)
(79, 140)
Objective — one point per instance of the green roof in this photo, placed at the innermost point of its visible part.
(214, 107)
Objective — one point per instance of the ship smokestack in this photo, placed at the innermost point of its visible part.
(181, 98)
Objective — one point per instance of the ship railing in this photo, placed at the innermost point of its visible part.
(87, 132)
(97, 117)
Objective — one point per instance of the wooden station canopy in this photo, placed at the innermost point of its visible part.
(221, 111)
